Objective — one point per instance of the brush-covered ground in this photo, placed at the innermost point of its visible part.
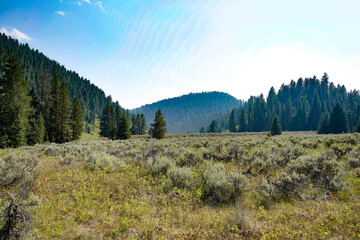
(220, 186)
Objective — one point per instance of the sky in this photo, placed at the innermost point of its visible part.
(143, 51)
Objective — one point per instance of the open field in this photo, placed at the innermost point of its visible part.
(210, 186)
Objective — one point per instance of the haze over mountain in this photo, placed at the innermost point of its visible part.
(187, 113)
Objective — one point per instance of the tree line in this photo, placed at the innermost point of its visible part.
(38, 70)
(304, 105)
(115, 125)
(29, 116)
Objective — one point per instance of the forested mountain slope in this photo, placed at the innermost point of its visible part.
(299, 106)
(187, 113)
(39, 69)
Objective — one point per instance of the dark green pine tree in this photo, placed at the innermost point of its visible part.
(123, 127)
(112, 129)
(159, 126)
(104, 121)
(338, 121)
(118, 115)
(133, 129)
(314, 116)
(357, 129)
(65, 113)
(275, 127)
(202, 130)
(214, 127)
(323, 126)
(52, 120)
(142, 128)
(232, 121)
(77, 123)
(40, 129)
(15, 105)
(242, 121)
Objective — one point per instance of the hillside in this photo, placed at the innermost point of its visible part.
(299, 106)
(187, 113)
(38, 70)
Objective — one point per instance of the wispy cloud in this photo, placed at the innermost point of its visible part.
(14, 33)
(60, 13)
(87, 1)
(78, 3)
(99, 4)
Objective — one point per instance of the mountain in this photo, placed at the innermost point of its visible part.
(299, 106)
(188, 113)
(39, 69)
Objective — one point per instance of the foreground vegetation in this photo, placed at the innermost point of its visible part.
(220, 186)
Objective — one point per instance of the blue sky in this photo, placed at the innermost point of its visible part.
(140, 52)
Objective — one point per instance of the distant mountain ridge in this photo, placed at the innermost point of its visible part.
(188, 113)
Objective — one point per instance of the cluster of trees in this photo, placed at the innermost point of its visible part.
(30, 116)
(38, 71)
(138, 124)
(299, 106)
(187, 113)
(114, 123)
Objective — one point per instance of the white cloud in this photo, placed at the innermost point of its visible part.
(60, 13)
(14, 33)
(87, 1)
(99, 4)
(78, 3)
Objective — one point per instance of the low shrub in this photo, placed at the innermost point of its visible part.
(354, 158)
(159, 164)
(221, 187)
(181, 177)
(323, 169)
(104, 161)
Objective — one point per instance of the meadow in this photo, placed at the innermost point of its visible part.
(193, 186)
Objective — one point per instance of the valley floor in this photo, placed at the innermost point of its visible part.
(197, 186)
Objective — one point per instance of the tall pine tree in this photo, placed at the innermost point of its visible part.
(232, 121)
(123, 127)
(15, 105)
(338, 121)
(65, 112)
(159, 126)
(275, 127)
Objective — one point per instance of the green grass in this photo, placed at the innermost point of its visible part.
(134, 202)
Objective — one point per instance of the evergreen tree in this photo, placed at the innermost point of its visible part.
(214, 127)
(159, 126)
(123, 127)
(40, 129)
(54, 115)
(202, 130)
(314, 116)
(112, 129)
(358, 127)
(242, 121)
(275, 127)
(118, 115)
(133, 129)
(104, 121)
(142, 127)
(15, 105)
(65, 113)
(77, 124)
(323, 126)
(232, 121)
(338, 121)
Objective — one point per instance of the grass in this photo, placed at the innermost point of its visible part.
(133, 202)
